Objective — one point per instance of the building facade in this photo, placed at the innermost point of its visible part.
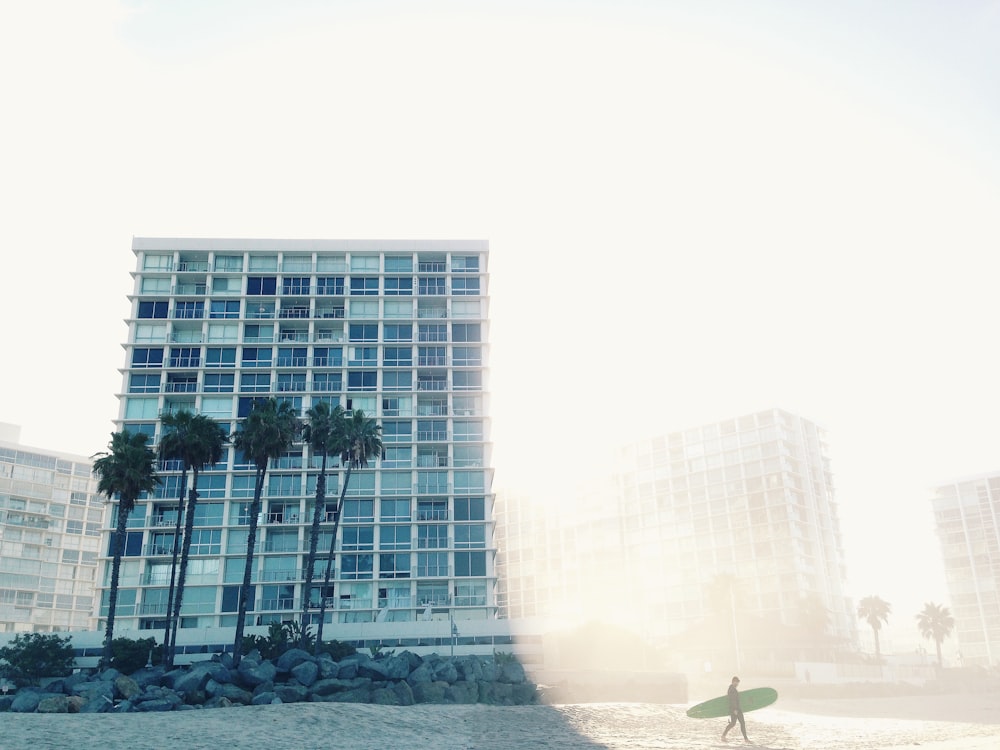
(398, 329)
(50, 525)
(710, 534)
(967, 518)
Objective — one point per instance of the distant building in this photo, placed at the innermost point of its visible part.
(967, 518)
(698, 529)
(50, 527)
(398, 329)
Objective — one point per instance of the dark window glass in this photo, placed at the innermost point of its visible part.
(262, 285)
(153, 309)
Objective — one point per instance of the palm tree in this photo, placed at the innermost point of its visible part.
(127, 469)
(322, 432)
(875, 611)
(196, 441)
(935, 622)
(267, 432)
(360, 440)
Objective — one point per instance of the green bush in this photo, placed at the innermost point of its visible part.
(31, 656)
(129, 655)
(283, 636)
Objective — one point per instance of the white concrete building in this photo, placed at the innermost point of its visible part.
(50, 526)
(967, 517)
(396, 328)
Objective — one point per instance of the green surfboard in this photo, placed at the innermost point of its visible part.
(750, 700)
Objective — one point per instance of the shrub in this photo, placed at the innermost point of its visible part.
(337, 650)
(31, 656)
(129, 655)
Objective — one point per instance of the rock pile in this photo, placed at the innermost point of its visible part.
(296, 676)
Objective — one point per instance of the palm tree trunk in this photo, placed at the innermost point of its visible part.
(185, 554)
(241, 615)
(313, 543)
(116, 568)
(329, 561)
(937, 642)
(168, 657)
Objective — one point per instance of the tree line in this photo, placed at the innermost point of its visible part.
(128, 469)
(934, 621)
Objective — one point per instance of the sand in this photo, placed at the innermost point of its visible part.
(965, 722)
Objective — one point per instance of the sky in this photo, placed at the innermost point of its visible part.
(695, 210)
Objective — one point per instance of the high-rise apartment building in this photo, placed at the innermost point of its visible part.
(398, 329)
(735, 514)
(50, 526)
(967, 516)
(748, 500)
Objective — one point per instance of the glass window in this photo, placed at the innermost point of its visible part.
(157, 262)
(359, 510)
(362, 380)
(467, 380)
(432, 332)
(223, 332)
(399, 264)
(394, 510)
(141, 408)
(362, 356)
(364, 262)
(220, 356)
(397, 381)
(394, 565)
(467, 356)
(470, 563)
(293, 356)
(295, 285)
(398, 286)
(254, 356)
(470, 509)
(470, 536)
(189, 310)
(328, 356)
(432, 536)
(465, 263)
(216, 382)
(217, 408)
(150, 309)
(142, 357)
(432, 564)
(231, 263)
(358, 538)
(364, 285)
(254, 382)
(330, 285)
(398, 356)
(356, 567)
(394, 537)
(363, 332)
(469, 286)
(155, 286)
(264, 285)
(398, 332)
(224, 309)
(466, 332)
(396, 432)
(327, 382)
(430, 285)
(185, 356)
(139, 383)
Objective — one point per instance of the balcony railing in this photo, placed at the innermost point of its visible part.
(198, 266)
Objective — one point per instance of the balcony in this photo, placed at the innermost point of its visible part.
(192, 266)
(294, 312)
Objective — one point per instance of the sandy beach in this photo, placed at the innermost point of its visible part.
(954, 722)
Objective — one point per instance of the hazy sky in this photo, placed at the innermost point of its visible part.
(695, 210)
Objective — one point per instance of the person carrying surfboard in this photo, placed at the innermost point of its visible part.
(735, 711)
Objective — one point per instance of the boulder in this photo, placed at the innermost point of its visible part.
(462, 692)
(306, 672)
(127, 688)
(511, 672)
(53, 704)
(292, 658)
(252, 674)
(291, 693)
(25, 702)
(429, 692)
